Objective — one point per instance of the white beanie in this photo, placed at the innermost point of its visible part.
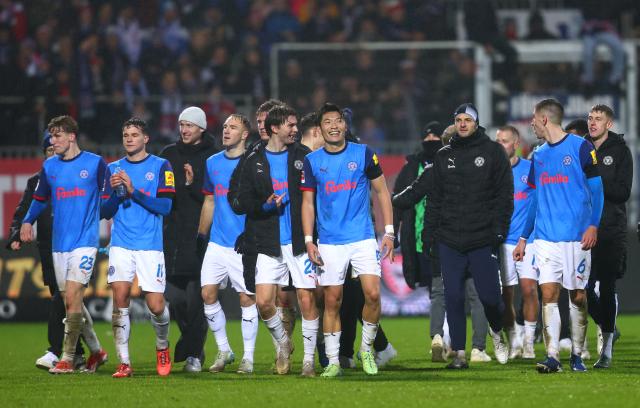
(194, 115)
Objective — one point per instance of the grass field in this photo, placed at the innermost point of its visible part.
(411, 380)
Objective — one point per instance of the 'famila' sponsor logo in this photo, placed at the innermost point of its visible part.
(559, 178)
(332, 187)
(61, 193)
(221, 191)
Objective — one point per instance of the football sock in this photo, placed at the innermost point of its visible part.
(274, 324)
(369, 331)
(88, 333)
(332, 347)
(121, 325)
(551, 325)
(161, 326)
(72, 328)
(309, 338)
(578, 315)
(217, 323)
(249, 327)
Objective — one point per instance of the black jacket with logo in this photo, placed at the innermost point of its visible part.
(251, 189)
(615, 166)
(471, 200)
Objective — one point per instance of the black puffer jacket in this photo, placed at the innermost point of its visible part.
(615, 166)
(254, 187)
(181, 226)
(471, 202)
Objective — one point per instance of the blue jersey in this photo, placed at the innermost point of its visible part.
(521, 200)
(226, 224)
(280, 178)
(134, 227)
(341, 183)
(74, 187)
(559, 173)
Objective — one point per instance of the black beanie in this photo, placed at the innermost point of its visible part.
(469, 109)
(434, 127)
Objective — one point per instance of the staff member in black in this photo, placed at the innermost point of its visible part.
(468, 213)
(608, 257)
(187, 157)
(57, 313)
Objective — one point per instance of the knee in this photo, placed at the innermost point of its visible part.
(265, 307)
(332, 303)
(578, 298)
(208, 296)
(372, 296)
(156, 306)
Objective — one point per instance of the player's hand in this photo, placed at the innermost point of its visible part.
(314, 254)
(26, 232)
(126, 180)
(15, 245)
(188, 174)
(386, 247)
(115, 180)
(589, 238)
(519, 250)
(279, 200)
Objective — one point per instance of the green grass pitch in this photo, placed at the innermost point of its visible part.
(411, 380)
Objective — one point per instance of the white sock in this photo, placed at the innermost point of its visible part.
(249, 328)
(551, 324)
(332, 347)
(607, 344)
(309, 338)
(160, 324)
(512, 335)
(529, 332)
(445, 332)
(88, 333)
(217, 323)
(121, 330)
(276, 328)
(369, 331)
(578, 317)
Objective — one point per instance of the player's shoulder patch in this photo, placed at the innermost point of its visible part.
(594, 159)
(169, 179)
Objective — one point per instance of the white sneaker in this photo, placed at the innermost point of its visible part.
(192, 365)
(565, 344)
(500, 347)
(224, 358)
(585, 354)
(47, 361)
(438, 352)
(528, 352)
(600, 341)
(515, 352)
(479, 356)
(245, 367)
(386, 355)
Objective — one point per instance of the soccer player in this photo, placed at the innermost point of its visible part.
(269, 193)
(143, 190)
(567, 202)
(615, 167)
(72, 180)
(338, 176)
(221, 262)
(523, 271)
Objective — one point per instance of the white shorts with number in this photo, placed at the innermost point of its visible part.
(563, 262)
(220, 265)
(275, 271)
(364, 257)
(126, 264)
(76, 266)
(511, 271)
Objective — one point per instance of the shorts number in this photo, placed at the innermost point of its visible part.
(86, 263)
(582, 267)
(309, 267)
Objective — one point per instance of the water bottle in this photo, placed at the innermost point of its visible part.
(121, 190)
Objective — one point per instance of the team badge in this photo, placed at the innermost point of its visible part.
(479, 161)
(297, 164)
(84, 174)
(375, 159)
(524, 179)
(169, 181)
(149, 176)
(593, 157)
(353, 165)
(112, 270)
(607, 160)
(566, 160)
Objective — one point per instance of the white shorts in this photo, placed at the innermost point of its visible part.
(275, 271)
(148, 266)
(511, 271)
(563, 262)
(220, 265)
(76, 266)
(364, 257)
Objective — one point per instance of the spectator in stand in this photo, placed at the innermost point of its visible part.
(537, 30)
(135, 87)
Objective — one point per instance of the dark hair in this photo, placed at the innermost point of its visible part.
(579, 125)
(326, 108)
(266, 106)
(512, 129)
(277, 116)
(553, 109)
(65, 123)
(604, 109)
(308, 121)
(137, 122)
(243, 119)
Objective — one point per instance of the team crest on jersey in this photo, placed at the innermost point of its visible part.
(149, 176)
(353, 165)
(566, 160)
(479, 161)
(524, 179)
(607, 160)
(169, 181)
(84, 174)
(297, 164)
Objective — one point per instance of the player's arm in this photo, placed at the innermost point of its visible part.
(38, 204)
(206, 215)
(247, 200)
(503, 202)
(519, 250)
(618, 190)
(381, 192)
(308, 186)
(589, 161)
(21, 211)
